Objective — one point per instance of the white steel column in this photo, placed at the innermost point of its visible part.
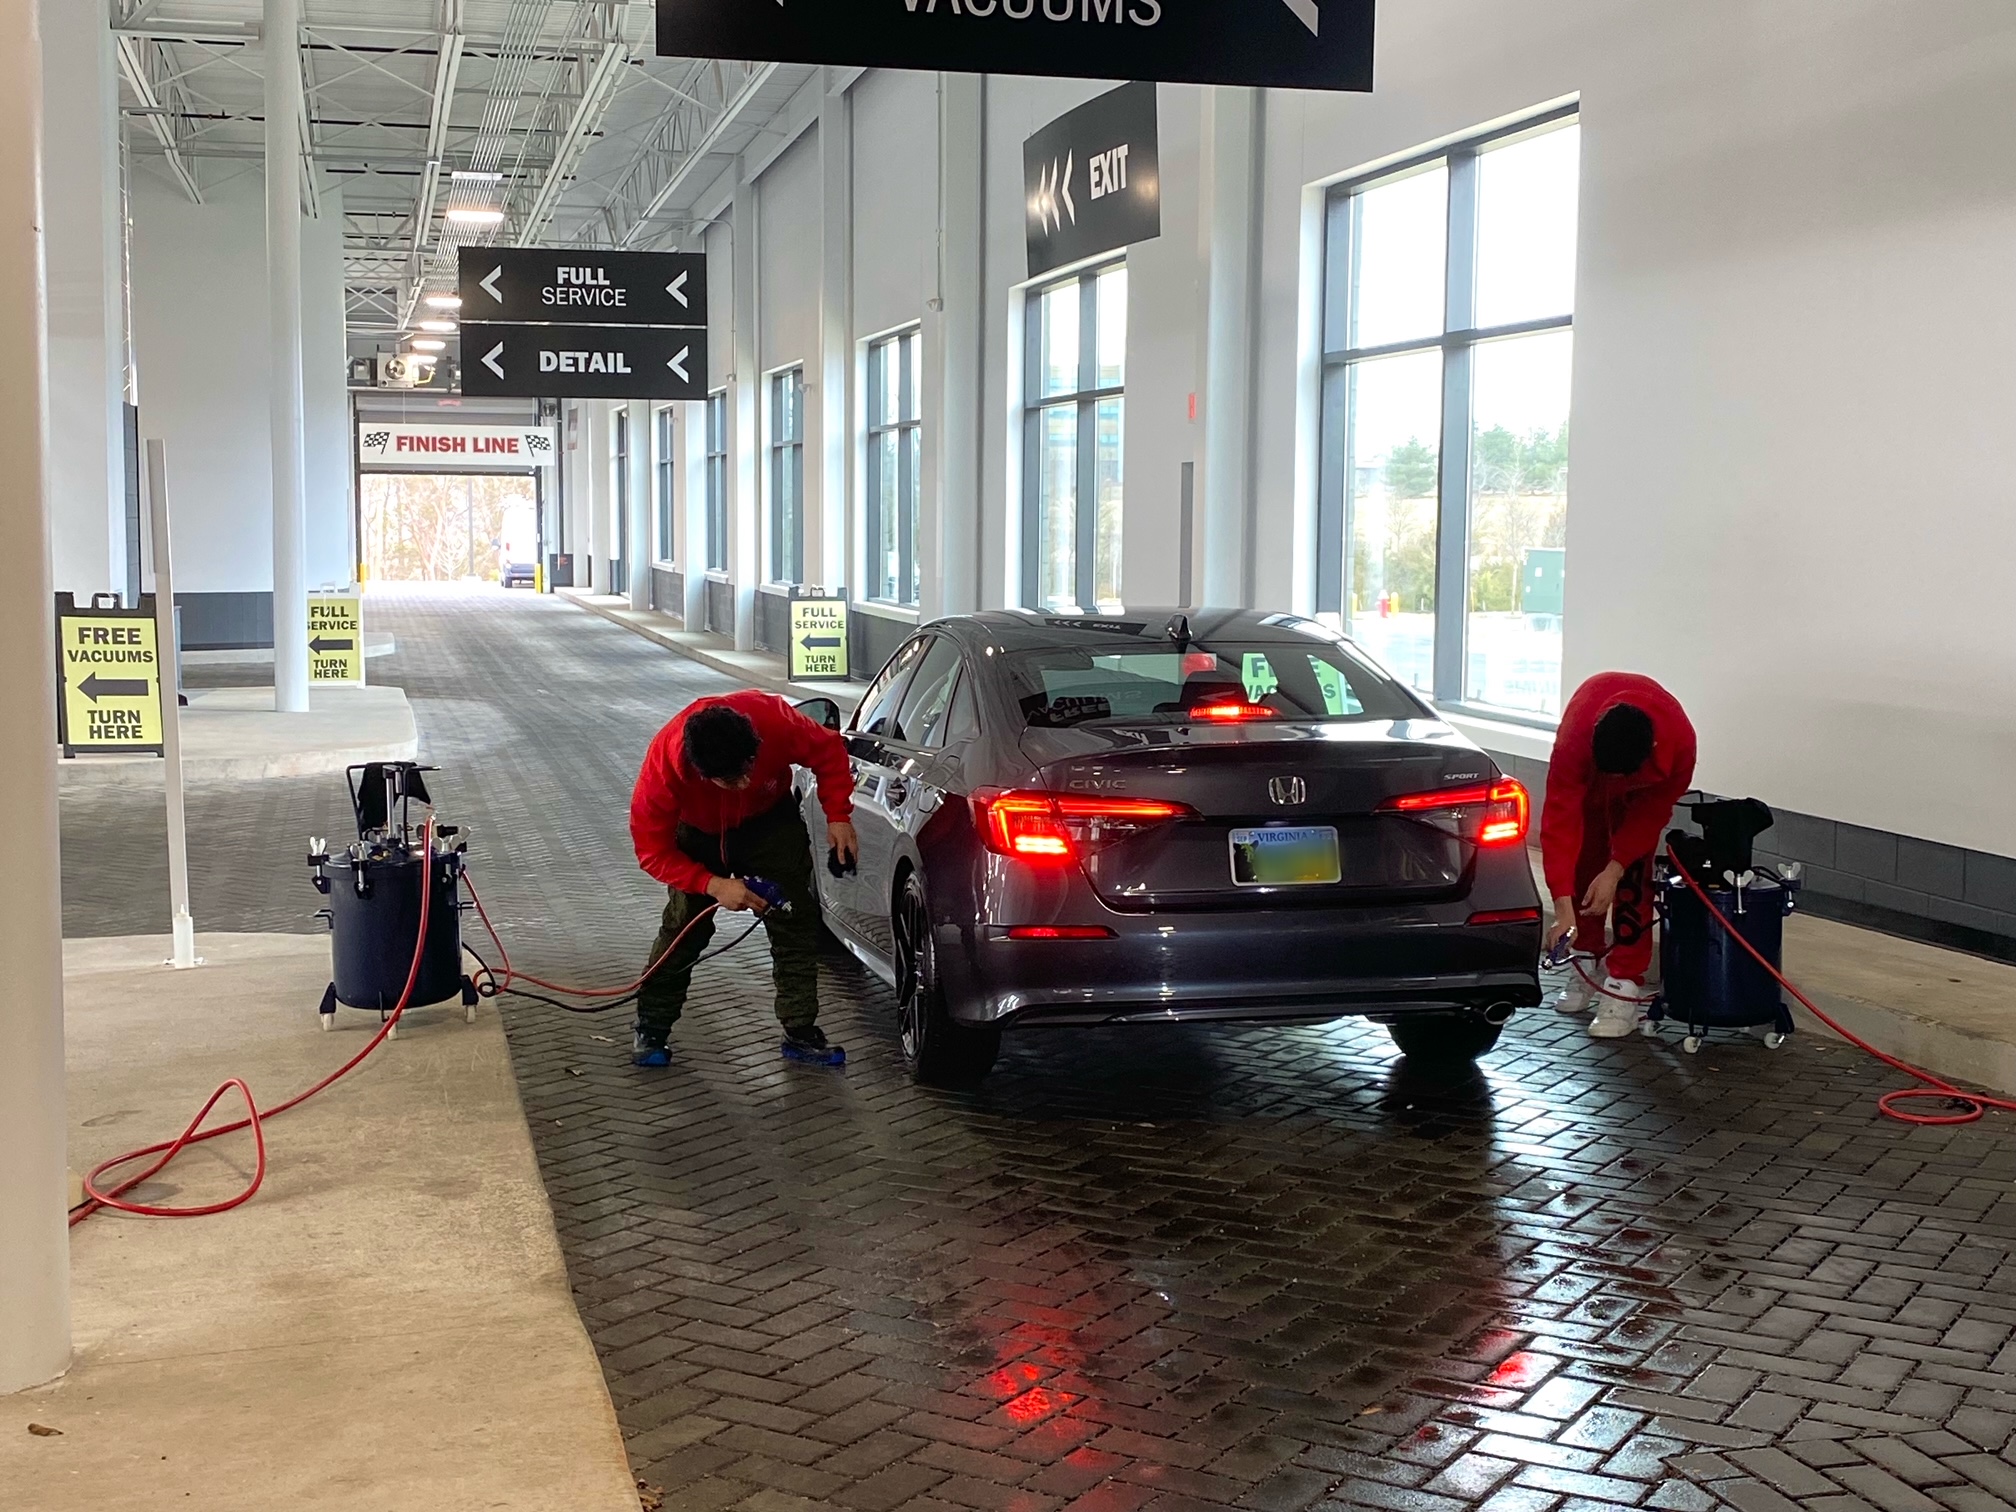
(597, 445)
(283, 281)
(1231, 327)
(831, 563)
(954, 354)
(87, 320)
(34, 1186)
(642, 548)
(745, 432)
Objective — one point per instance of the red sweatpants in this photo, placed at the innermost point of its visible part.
(1630, 916)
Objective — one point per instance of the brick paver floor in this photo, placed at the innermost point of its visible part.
(1165, 1269)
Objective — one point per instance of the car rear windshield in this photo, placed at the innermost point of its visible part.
(1072, 685)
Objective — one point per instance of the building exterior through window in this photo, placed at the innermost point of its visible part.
(895, 466)
(1075, 407)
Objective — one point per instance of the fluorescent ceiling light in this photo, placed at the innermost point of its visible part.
(428, 344)
(471, 217)
(444, 327)
(471, 176)
(444, 301)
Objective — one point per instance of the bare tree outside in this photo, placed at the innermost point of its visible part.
(441, 528)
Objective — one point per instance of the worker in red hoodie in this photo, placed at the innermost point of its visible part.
(1623, 756)
(714, 804)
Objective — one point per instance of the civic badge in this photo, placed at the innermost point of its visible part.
(1288, 791)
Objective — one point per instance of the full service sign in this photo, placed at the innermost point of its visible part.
(110, 664)
(521, 284)
(1092, 179)
(336, 640)
(464, 448)
(583, 362)
(818, 639)
(1288, 44)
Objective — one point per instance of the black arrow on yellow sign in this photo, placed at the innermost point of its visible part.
(322, 647)
(95, 687)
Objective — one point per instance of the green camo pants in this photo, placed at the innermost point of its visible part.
(772, 845)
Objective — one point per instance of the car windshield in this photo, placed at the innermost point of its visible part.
(1072, 685)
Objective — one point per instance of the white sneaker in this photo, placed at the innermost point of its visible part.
(1578, 996)
(1617, 1011)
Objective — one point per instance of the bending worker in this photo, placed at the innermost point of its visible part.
(1622, 758)
(713, 804)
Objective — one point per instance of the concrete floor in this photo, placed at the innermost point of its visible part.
(386, 1326)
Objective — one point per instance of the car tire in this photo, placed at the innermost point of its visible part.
(1443, 1039)
(936, 1051)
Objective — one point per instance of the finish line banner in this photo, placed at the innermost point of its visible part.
(1282, 44)
(455, 448)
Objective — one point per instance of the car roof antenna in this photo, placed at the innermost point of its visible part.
(1178, 630)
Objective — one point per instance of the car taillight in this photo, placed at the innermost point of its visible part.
(1063, 827)
(1061, 932)
(1231, 713)
(1494, 813)
(1504, 916)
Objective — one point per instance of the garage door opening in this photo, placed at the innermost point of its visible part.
(450, 527)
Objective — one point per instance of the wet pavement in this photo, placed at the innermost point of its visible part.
(1160, 1268)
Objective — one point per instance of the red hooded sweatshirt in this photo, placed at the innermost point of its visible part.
(1635, 807)
(669, 793)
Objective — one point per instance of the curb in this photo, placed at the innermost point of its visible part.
(846, 697)
(1960, 1056)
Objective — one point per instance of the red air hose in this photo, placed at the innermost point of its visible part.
(254, 1118)
(513, 975)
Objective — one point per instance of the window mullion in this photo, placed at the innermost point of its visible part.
(1088, 441)
(1452, 541)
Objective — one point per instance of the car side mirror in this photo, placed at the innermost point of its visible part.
(821, 711)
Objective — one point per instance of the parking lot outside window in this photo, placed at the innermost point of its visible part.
(787, 476)
(1075, 429)
(1448, 345)
(895, 454)
(662, 476)
(717, 482)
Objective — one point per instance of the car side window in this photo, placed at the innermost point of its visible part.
(921, 718)
(877, 712)
(962, 722)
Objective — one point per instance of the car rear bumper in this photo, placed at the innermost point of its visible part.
(1270, 967)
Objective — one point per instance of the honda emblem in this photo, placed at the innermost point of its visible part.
(1288, 791)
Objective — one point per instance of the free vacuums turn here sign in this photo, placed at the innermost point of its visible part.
(1286, 44)
(110, 663)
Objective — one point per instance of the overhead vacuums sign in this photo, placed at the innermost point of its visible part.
(1287, 44)
(583, 362)
(1092, 179)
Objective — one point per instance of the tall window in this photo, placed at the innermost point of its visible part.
(787, 476)
(895, 452)
(1076, 372)
(717, 482)
(622, 464)
(662, 474)
(1448, 335)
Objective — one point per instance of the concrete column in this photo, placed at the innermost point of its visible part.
(954, 354)
(283, 278)
(745, 431)
(641, 554)
(87, 322)
(34, 1187)
(1231, 204)
(830, 563)
(593, 470)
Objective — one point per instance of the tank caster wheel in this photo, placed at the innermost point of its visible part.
(328, 1022)
(1650, 1028)
(469, 1013)
(1773, 1039)
(392, 1030)
(1691, 1044)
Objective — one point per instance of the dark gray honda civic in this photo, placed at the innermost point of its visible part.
(1174, 815)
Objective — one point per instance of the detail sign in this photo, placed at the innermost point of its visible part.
(336, 639)
(583, 362)
(456, 448)
(1092, 179)
(1285, 44)
(110, 664)
(584, 288)
(818, 640)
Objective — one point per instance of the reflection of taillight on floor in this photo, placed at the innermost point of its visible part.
(1031, 826)
(1489, 814)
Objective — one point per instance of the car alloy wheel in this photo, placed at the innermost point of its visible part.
(913, 968)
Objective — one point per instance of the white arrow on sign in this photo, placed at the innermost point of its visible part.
(489, 285)
(678, 364)
(490, 359)
(677, 289)
(1306, 13)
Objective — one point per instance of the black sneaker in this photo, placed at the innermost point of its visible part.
(809, 1044)
(648, 1049)
(810, 1037)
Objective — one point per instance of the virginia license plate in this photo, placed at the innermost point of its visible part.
(1285, 857)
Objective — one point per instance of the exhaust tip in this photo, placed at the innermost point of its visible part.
(1497, 1013)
